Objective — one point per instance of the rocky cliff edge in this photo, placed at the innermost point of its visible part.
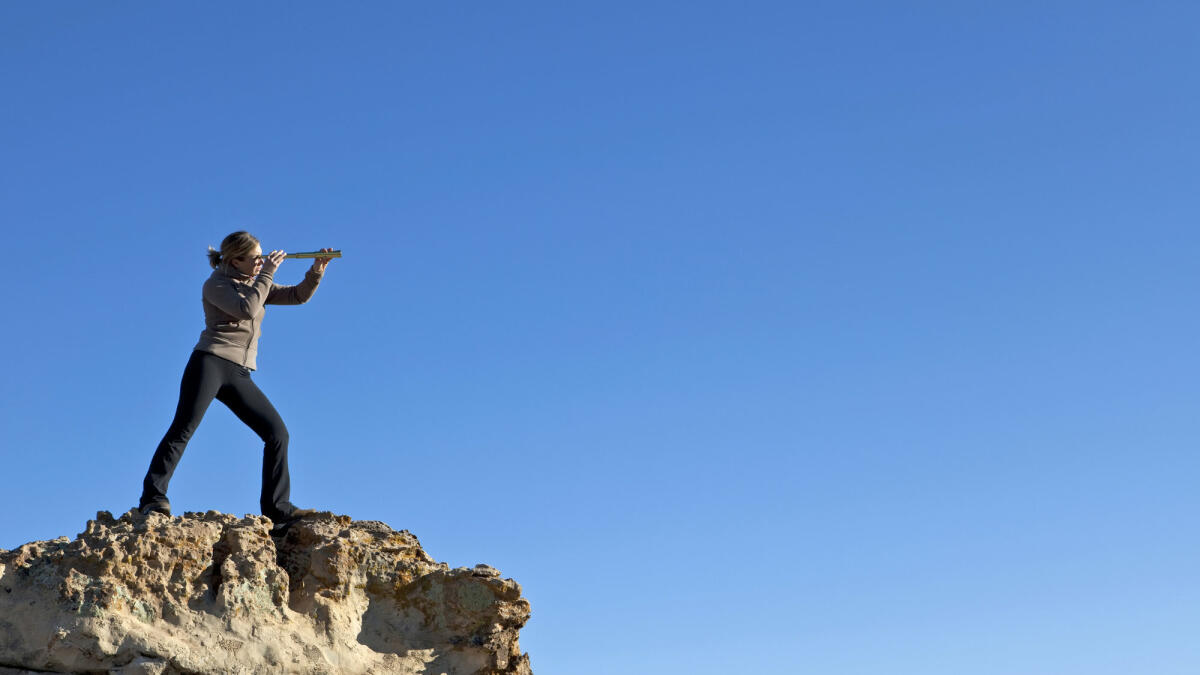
(214, 593)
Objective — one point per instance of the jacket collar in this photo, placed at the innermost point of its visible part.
(231, 272)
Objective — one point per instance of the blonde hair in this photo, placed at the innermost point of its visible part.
(236, 245)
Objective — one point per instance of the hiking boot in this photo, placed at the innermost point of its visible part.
(156, 507)
(284, 519)
(288, 514)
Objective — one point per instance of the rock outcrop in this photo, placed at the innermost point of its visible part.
(214, 593)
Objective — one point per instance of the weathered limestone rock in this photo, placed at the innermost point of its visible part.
(213, 593)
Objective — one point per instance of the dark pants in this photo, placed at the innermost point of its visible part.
(207, 377)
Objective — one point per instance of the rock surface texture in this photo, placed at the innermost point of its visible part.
(214, 593)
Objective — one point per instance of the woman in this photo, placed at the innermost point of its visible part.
(234, 300)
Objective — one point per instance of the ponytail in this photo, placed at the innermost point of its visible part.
(235, 245)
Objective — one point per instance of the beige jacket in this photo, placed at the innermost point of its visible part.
(233, 310)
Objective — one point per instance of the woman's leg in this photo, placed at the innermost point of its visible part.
(253, 408)
(201, 380)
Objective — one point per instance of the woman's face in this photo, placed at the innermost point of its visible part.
(249, 264)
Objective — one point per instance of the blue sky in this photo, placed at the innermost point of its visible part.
(849, 337)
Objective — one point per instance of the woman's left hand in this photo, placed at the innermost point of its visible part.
(320, 263)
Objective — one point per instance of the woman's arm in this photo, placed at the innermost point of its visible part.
(295, 295)
(239, 300)
(303, 291)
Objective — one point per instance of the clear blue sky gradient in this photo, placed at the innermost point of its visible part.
(821, 337)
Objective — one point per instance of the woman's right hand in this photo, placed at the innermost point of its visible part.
(271, 261)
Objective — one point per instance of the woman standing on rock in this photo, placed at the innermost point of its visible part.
(234, 300)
